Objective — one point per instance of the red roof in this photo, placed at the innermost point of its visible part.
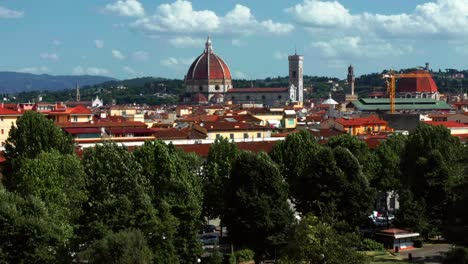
(417, 85)
(257, 90)
(200, 98)
(79, 110)
(361, 121)
(208, 66)
(132, 130)
(102, 124)
(200, 118)
(6, 111)
(76, 131)
(203, 149)
(228, 126)
(448, 124)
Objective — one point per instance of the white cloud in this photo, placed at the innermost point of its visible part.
(172, 62)
(99, 43)
(8, 13)
(236, 42)
(79, 70)
(140, 55)
(49, 56)
(442, 19)
(56, 42)
(118, 55)
(186, 41)
(35, 70)
(280, 55)
(240, 75)
(129, 70)
(180, 17)
(355, 47)
(130, 8)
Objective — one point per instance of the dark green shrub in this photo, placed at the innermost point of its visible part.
(368, 244)
(244, 255)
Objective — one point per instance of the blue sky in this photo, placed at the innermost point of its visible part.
(132, 38)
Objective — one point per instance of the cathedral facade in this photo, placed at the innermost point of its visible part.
(209, 80)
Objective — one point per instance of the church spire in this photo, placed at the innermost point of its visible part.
(208, 47)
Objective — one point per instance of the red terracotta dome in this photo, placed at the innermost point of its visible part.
(208, 66)
(417, 85)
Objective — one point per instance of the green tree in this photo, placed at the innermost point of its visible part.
(29, 231)
(432, 165)
(257, 212)
(389, 173)
(216, 171)
(58, 180)
(173, 180)
(360, 150)
(118, 200)
(125, 247)
(314, 241)
(34, 134)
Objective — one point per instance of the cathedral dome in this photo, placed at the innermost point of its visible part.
(423, 84)
(208, 66)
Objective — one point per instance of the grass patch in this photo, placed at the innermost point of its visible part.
(384, 257)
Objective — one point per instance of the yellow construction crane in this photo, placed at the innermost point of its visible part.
(392, 76)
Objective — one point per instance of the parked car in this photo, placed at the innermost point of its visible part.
(209, 229)
(209, 238)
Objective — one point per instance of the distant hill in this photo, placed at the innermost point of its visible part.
(14, 82)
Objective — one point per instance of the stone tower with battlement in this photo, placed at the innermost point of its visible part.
(296, 82)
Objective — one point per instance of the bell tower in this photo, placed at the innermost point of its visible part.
(351, 96)
(296, 68)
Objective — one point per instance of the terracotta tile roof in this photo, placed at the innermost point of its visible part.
(202, 150)
(77, 131)
(361, 121)
(129, 130)
(448, 124)
(419, 84)
(7, 111)
(208, 65)
(102, 124)
(229, 126)
(79, 110)
(257, 90)
(199, 118)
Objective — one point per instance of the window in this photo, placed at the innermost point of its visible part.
(218, 136)
(217, 87)
(233, 98)
(200, 88)
(263, 97)
(279, 97)
(259, 135)
(231, 136)
(294, 74)
(246, 135)
(3, 131)
(1, 118)
(247, 97)
(75, 118)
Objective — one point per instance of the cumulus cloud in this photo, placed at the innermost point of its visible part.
(175, 62)
(280, 55)
(438, 19)
(35, 70)
(99, 43)
(56, 42)
(240, 75)
(79, 70)
(129, 70)
(118, 55)
(181, 17)
(49, 56)
(186, 41)
(129, 8)
(8, 13)
(355, 47)
(140, 55)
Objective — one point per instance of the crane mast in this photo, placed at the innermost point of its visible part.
(391, 81)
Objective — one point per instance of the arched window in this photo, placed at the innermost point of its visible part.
(217, 87)
(247, 97)
(263, 97)
(200, 88)
(279, 97)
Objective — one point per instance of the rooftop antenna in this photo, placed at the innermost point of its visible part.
(295, 49)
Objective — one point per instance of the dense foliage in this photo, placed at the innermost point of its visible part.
(148, 206)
